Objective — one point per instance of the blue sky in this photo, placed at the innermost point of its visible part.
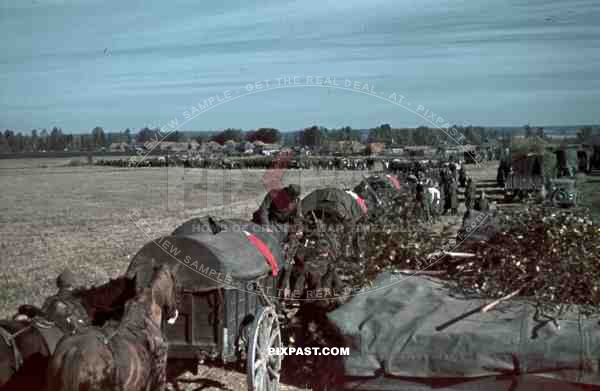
(503, 63)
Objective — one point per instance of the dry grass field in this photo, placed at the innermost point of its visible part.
(58, 215)
(55, 216)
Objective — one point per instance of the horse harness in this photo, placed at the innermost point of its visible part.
(157, 348)
(51, 331)
(10, 341)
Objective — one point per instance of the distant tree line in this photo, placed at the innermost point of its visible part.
(317, 136)
(314, 136)
(55, 140)
(265, 135)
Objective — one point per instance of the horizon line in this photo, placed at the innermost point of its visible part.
(136, 130)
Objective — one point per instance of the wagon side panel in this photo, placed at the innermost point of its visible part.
(196, 332)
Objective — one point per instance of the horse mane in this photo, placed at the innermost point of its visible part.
(158, 276)
(137, 308)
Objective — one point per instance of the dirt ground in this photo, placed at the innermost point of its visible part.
(57, 214)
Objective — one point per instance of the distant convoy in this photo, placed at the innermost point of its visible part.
(264, 162)
(304, 160)
(521, 176)
(261, 162)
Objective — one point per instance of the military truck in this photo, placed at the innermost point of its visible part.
(533, 174)
(525, 176)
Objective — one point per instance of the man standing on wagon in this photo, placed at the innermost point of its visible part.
(279, 207)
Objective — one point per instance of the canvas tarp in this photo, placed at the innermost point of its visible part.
(209, 224)
(209, 260)
(530, 164)
(334, 202)
(377, 183)
(404, 329)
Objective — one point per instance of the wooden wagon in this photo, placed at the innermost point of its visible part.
(228, 295)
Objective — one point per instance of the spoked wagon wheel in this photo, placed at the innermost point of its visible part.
(263, 369)
(558, 198)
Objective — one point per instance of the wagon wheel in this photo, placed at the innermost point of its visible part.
(263, 369)
(559, 197)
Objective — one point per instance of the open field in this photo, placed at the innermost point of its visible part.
(78, 217)
(56, 216)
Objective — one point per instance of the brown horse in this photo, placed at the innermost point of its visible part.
(26, 345)
(23, 354)
(128, 356)
(100, 303)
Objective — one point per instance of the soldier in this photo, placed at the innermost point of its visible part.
(501, 176)
(453, 197)
(469, 193)
(462, 176)
(453, 170)
(62, 308)
(422, 203)
(434, 197)
(482, 204)
(280, 206)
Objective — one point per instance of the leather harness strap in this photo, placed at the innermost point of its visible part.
(49, 331)
(106, 340)
(9, 339)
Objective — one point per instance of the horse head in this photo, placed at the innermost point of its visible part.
(108, 300)
(164, 291)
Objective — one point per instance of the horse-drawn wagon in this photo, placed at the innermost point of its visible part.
(228, 289)
(378, 191)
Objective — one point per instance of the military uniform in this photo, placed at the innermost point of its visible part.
(453, 198)
(469, 194)
(422, 202)
(453, 171)
(281, 206)
(462, 176)
(482, 204)
(63, 309)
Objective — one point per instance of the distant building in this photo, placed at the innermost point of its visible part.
(165, 146)
(419, 151)
(230, 147)
(375, 148)
(247, 148)
(347, 147)
(118, 147)
(211, 147)
(269, 152)
(394, 151)
(260, 147)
